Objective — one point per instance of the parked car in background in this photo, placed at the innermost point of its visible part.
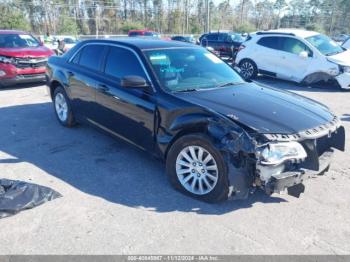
(22, 58)
(346, 43)
(340, 38)
(226, 43)
(70, 41)
(297, 55)
(187, 39)
(144, 32)
(219, 136)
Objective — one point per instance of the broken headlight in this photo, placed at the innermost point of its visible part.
(276, 153)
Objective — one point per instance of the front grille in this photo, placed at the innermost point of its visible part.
(23, 63)
(29, 76)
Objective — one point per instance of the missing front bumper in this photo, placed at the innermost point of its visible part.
(290, 180)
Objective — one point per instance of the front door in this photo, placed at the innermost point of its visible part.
(125, 112)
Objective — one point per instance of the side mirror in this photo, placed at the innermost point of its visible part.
(304, 54)
(134, 82)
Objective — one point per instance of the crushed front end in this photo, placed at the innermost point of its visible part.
(285, 161)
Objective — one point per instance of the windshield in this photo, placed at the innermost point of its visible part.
(325, 45)
(15, 41)
(237, 38)
(184, 69)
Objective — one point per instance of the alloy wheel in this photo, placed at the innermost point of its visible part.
(61, 107)
(197, 170)
(247, 69)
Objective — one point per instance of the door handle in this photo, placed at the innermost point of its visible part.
(102, 88)
(70, 73)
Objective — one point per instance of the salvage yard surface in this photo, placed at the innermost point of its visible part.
(117, 199)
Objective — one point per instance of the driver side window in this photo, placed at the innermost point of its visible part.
(121, 62)
(294, 46)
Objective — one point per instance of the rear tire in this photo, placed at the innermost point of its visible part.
(190, 171)
(63, 107)
(248, 68)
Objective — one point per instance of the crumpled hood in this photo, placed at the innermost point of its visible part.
(40, 51)
(263, 109)
(341, 59)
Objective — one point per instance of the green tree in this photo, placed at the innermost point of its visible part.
(12, 18)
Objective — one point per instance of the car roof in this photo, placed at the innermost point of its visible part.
(141, 30)
(297, 32)
(142, 43)
(16, 32)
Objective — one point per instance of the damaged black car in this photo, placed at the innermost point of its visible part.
(219, 136)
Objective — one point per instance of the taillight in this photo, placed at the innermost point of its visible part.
(241, 47)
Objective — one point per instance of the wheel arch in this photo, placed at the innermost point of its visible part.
(201, 128)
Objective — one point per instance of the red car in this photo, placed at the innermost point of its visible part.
(144, 32)
(22, 58)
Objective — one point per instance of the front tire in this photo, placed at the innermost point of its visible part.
(248, 68)
(196, 168)
(63, 108)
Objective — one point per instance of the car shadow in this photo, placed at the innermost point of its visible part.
(23, 85)
(292, 86)
(98, 164)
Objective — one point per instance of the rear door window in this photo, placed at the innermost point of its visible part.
(270, 42)
(121, 62)
(212, 37)
(91, 57)
(222, 37)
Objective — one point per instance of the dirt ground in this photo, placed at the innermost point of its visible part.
(117, 200)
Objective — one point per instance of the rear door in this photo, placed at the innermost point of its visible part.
(83, 76)
(266, 55)
(125, 112)
(211, 40)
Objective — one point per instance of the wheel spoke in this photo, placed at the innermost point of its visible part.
(193, 153)
(206, 181)
(213, 167)
(186, 156)
(187, 178)
(200, 154)
(200, 184)
(213, 178)
(194, 181)
(183, 171)
(207, 159)
(183, 163)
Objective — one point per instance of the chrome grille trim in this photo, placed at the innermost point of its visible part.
(312, 133)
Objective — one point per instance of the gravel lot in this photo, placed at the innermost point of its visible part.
(117, 200)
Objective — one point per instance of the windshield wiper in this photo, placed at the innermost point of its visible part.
(334, 53)
(187, 90)
(230, 84)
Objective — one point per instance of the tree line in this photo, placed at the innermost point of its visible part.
(91, 17)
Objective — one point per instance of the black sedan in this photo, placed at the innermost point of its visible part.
(219, 136)
(187, 39)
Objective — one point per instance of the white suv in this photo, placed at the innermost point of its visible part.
(346, 43)
(296, 55)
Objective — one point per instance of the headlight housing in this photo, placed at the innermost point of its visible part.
(276, 153)
(6, 60)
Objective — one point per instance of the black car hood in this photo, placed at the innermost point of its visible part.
(265, 110)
